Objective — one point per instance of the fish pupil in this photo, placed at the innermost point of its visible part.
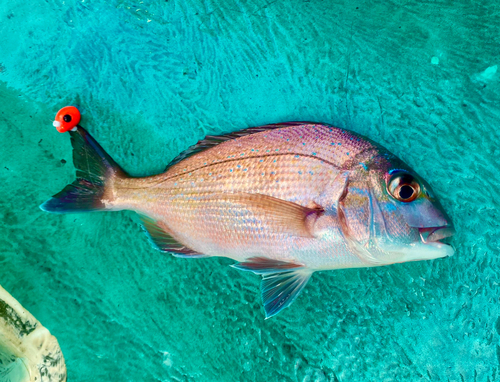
(406, 192)
(67, 118)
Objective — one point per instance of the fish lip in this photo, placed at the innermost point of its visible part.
(434, 234)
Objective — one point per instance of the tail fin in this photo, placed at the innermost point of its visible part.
(95, 172)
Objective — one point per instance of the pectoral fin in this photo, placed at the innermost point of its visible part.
(281, 282)
(279, 215)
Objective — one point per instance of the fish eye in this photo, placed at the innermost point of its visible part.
(67, 118)
(403, 187)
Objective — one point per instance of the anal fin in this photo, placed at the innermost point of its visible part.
(281, 282)
(163, 241)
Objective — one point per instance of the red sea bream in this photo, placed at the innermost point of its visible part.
(282, 200)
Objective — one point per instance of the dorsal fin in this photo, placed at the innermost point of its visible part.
(163, 241)
(214, 140)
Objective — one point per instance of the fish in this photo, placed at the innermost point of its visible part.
(282, 200)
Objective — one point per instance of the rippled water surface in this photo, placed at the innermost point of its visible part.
(151, 78)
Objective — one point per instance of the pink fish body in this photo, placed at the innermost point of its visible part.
(283, 200)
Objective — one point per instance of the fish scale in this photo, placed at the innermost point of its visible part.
(323, 142)
(287, 163)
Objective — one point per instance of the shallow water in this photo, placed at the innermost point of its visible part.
(151, 78)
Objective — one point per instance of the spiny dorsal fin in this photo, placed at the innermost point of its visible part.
(281, 282)
(213, 140)
(162, 240)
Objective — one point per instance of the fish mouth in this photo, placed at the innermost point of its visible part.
(435, 234)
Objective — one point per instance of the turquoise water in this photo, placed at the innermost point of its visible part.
(151, 78)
